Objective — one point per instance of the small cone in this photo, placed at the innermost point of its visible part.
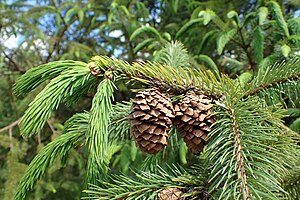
(150, 118)
(170, 194)
(193, 116)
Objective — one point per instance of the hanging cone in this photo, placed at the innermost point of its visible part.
(150, 118)
(170, 194)
(194, 118)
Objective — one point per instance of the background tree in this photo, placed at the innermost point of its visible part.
(232, 37)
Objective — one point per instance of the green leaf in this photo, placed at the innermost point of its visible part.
(183, 153)
(245, 78)
(70, 14)
(208, 37)
(112, 149)
(212, 65)
(223, 39)
(249, 17)
(175, 5)
(143, 44)
(81, 47)
(285, 49)
(167, 36)
(294, 40)
(125, 10)
(233, 14)
(58, 20)
(295, 126)
(262, 15)
(39, 9)
(133, 151)
(258, 44)
(187, 26)
(281, 23)
(195, 13)
(294, 26)
(144, 29)
(207, 15)
(80, 16)
(293, 112)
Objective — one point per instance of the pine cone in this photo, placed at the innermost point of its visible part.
(170, 194)
(193, 116)
(150, 119)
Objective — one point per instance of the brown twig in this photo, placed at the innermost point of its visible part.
(10, 138)
(130, 45)
(271, 84)
(56, 44)
(39, 137)
(51, 127)
(57, 40)
(244, 46)
(15, 64)
(240, 168)
(10, 125)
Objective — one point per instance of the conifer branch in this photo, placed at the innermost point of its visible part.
(67, 87)
(97, 138)
(11, 125)
(14, 63)
(118, 124)
(258, 44)
(249, 153)
(244, 46)
(146, 185)
(281, 23)
(272, 84)
(173, 54)
(274, 76)
(292, 182)
(60, 36)
(165, 77)
(74, 132)
(37, 75)
(240, 167)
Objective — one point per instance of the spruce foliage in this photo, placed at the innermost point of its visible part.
(248, 155)
(97, 133)
(74, 133)
(67, 88)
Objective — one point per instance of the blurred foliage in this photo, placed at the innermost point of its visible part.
(238, 38)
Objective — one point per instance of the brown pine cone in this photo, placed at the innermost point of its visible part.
(170, 194)
(150, 118)
(193, 116)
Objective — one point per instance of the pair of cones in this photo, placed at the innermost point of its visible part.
(152, 114)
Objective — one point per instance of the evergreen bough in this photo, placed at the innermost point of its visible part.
(251, 154)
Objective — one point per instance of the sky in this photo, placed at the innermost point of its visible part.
(12, 41)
